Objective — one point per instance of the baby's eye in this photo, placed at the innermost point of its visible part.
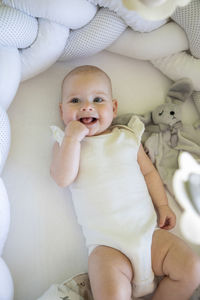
(75, 100)
(160, 113)
(98, 99)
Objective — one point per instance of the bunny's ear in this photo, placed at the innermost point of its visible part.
(146, 118)
(181, 90)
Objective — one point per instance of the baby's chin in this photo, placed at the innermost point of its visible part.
(98, 132)
(93, 133)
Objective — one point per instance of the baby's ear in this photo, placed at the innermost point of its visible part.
(146, 118)
(115, 106)
(61, 110)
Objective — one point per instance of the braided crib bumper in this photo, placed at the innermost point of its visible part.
(6, 285)
(34, 34)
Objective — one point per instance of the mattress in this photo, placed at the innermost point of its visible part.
(45, 244)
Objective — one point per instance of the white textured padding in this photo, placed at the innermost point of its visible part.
(102, 31)
(16, 28)
(166, 40)
(4, 138)
(6, 284)
(180, 65)
(10, 75)
(4, 215)
(71, 13)
(188, 17)
(46, 50)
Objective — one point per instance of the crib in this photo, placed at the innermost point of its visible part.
(40, 241)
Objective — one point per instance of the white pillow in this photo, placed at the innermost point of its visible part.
(180, 65)
(166, 40)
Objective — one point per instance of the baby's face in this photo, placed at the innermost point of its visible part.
(87, 97)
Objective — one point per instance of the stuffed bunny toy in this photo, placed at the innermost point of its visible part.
(165, 135)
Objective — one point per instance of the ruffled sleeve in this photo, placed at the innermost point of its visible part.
(58, 134)
(137, 127)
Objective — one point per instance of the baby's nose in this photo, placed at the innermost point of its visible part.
(172, 112)
(87, 107)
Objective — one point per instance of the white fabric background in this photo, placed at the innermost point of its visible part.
(45, 244)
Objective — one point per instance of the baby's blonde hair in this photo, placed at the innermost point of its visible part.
(87, 69)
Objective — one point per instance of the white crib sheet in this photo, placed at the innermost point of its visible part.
(45, 245)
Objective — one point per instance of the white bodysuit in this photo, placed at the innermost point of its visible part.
(112, 202)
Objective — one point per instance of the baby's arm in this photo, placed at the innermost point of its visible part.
(65, 161)
(167, 218)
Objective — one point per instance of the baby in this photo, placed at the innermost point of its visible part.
(117, 195)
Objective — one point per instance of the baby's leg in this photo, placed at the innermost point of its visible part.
(180, 265)
(110, 274)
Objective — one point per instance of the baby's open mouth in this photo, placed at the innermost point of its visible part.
(88, 120)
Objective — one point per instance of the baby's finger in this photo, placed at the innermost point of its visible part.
(162, 221)
(169, 224)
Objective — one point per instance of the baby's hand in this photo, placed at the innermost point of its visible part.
(76, 130)
(167, 219)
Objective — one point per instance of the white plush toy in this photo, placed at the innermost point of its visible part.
(148, 9)
(190, 218)
(154, 9)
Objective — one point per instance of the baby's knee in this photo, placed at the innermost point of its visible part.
(110, 274)
(118, 293)
(191, 274)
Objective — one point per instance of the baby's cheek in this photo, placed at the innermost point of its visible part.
(107, 113)
(69, 116)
